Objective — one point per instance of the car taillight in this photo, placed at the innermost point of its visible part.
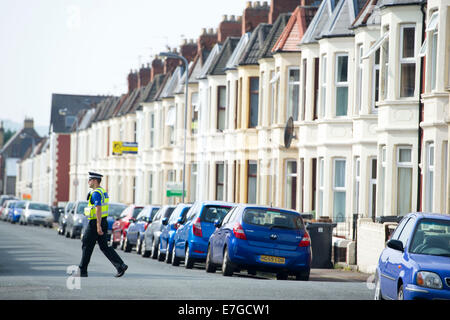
(239, 232)
(176, 226)
(306, 240)
(197, 228)
(145, 226)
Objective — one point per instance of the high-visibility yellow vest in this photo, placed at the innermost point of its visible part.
(90, 211)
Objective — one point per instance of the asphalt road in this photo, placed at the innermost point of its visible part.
(34, 263)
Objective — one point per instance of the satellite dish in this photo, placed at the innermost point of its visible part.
(289, 133)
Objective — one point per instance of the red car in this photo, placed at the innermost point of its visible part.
(120, 226)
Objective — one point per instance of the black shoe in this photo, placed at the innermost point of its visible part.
(121, 271)
(84, 275)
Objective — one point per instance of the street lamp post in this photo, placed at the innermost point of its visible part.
(186, 87)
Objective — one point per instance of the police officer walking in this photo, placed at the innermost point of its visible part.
(97, 212)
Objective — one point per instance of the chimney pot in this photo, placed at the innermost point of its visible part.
(249, 4)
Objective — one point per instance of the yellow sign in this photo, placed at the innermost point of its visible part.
(117, 148)
(120, 147)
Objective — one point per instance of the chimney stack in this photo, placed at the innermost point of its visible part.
(207, 40)
(283, 6)
(28, 123)
(171, 63)
(144, 76)
(157, 68)
(132, 81)
(254, 15)
(188, 50)
(229, 27)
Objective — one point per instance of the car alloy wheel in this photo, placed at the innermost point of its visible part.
(210, 267)
(175, 259)
(144, 252)
(138, 245)
(127, 246)
(168, 257)
(188, 260)
(161, 256)
(400, 295)
(227, 266)
(154, 249)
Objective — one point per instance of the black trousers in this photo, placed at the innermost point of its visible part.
(90, 237)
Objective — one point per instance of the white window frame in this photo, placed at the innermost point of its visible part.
(341, 84)
(289, 85)
(382, 184)
(321, 184)
(429, 182)
(323, 85)
(357, 183)
(340, 189)
(359, 95)
(375, 68)
(287, 176)
(372, 182)
(407, 60)
(407, 165)
(150, 187)
(303, 89)
(274, 76)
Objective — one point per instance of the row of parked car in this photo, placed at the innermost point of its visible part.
(228, 236)
(26, 212)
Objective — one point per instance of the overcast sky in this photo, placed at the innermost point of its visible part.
(88, 46)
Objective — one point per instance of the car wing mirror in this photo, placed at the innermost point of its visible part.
(395, 244)
(132, 219)
(164, 221)
(217, 223)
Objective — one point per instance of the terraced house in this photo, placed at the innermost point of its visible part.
(366, 84)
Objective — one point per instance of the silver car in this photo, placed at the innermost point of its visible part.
(37, 213)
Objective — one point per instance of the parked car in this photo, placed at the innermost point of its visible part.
(114, 211)
(120, 226)
(57, 212)
(150, 242)
(192, 237)
(261, 238)
(416, 261)
(74, 221)
(137, 227)
(7, 213)
(6, 197)
(37, 213)
(5, 210)
(169, 228)
(17, 211)
(63, 218)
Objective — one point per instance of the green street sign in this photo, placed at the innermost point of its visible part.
(174, 189)
(175, 193)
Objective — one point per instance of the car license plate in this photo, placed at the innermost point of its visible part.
(271, 259)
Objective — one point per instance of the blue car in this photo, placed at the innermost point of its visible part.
(16, 211)
(192, 237)
(261, 238)
(416, 261)
(137, 227)
(170, 226)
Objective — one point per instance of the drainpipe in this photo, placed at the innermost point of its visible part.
(420, 131)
